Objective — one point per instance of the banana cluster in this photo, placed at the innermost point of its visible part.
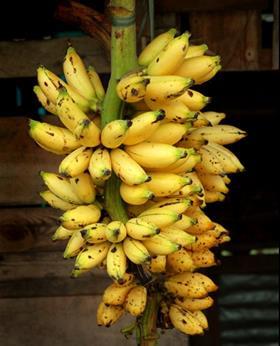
(171, 158)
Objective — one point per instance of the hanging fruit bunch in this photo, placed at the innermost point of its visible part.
(170, 159)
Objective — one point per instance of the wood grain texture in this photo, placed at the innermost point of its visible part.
(20, 163)
(234, 35)
(63, 321)
(49, 53)
(207, 5)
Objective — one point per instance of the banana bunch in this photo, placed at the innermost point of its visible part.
(171, 159)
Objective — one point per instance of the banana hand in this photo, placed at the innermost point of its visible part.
(136, 251)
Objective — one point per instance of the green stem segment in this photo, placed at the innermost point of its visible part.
(123, 60)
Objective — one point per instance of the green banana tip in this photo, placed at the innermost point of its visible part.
(91, 68)
(33, 123)
(42, 174)
(36, 89)
(70, 49)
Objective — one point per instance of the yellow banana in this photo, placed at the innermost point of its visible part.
(185, 165)
(90, 257)
(100, 166)
(155, 155)
(76, 120)
(136, 301)
(75, 244)
(179, 205)
(114, 133)
(207, 240)
(183, 321)
(135, 195)
(132, 87)
(201, 318)
(160, 217)
(178, 236)
(221, 134)
(197, 67)
(151, 51)
(211, 74)
(171, 57)
(127, 169)
(143, 126)
(198, 279)
(214, 117)
(193, 304)
(180, 262)
(203, 259)
(203, 224)
(45, 102)
(96, 83)
(116, 232)
(210, 163)
(160, 245)
(80, 216)
(116, 294)
(168, 133)
(76, 162)
(185, 222)
(107, 315)
(60, 186)
(50, 85)
(166, 88)
(52, 138)
(165, 184)
(158, 264)
(62, 233)
(195, 188)
(200, 121)
(213, 182)
(214, 196)
(196, 50)
(228, 159)
(77, 76)
(116, 262)
(175, 110)
(56, 202)
(84, 188)
(136, 251)
(140, 230)
(194, 100)
(94, 233)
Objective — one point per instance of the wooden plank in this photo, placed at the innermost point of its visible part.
(238, 43)
(20, 163)
(49, 53)
(207, 5)
(23, 229)
(64, 321)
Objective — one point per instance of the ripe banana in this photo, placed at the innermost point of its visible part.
(132, 87)
(76, 120)
(90, 257)
(169, 133)
(213, 182)
(197, 67)
(143, 126)
(107, 315)
(180, 262)
(75, 244)
(100, 166)
(214, 196)
(200, 121)
(193, 304)
(179, 205)
(186, 164)
(56, 202)
(136, 301)
(76, 162)
(135, 195)
(210, 163)
(52, 138)
(196, 50)
(203, 224)
(160, 245)
(203, 259)
(127, 169)
(116, 263)
(214, 117)
(62, 233)
(155, 155)
(178, 236)
(195, 188)
(184, 321)
(96, 83)
(185, 223)
(116, 294)
(140, 230)
(211, 74)
(80, 216)
(94, 233)
(194, 100)
(84, 188)
(152, 50)
(116, 232)
(136, 251)
(114, 133)
(158, 264)
(160, 217)
(61, 187)
(171, 57)
(45, 102)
